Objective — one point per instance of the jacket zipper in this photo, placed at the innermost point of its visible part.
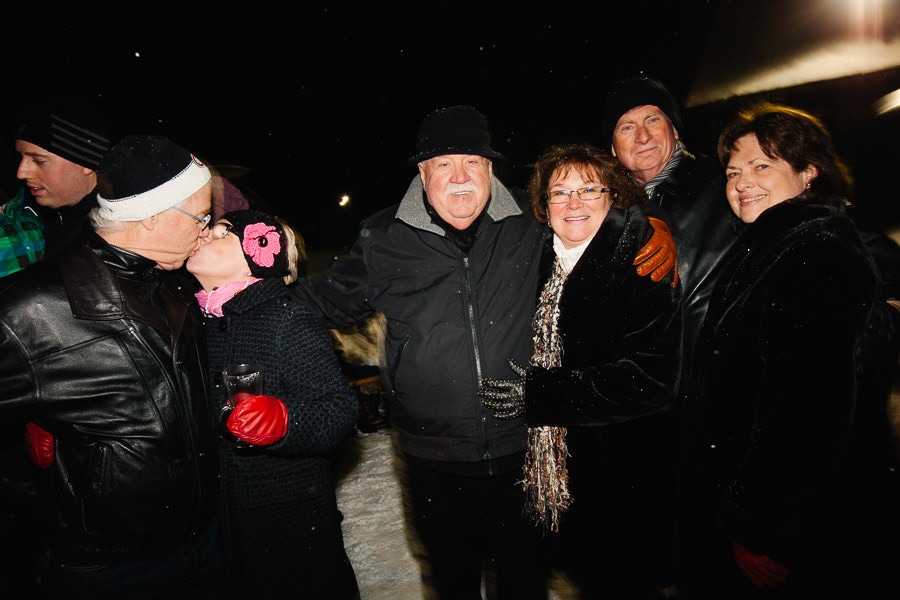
(473, 330)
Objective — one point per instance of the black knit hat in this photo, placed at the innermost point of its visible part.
(263, 241)
(453, 130)
(143, 175)
(630, 93)
(67, 126)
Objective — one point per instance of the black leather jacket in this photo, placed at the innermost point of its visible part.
(694, 205)
(101, 349)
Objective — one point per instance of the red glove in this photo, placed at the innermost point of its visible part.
(659, 255)
(40, 445)
(762, 571)
(259, 420)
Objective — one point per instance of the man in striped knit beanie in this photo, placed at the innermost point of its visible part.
(61, 141)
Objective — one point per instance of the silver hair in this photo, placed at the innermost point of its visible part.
(103, 225)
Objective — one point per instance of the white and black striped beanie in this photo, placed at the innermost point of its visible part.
(69, 127)
(144, 175)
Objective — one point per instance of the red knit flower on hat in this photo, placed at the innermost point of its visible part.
(261, 243)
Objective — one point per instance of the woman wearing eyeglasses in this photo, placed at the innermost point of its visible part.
(280, 521)
(606, 359)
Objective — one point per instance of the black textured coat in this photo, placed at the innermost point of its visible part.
(621, 339)
(775, 395)
(280, 521)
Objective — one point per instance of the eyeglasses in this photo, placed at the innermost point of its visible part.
(584, 194)
(220, 230)
(203, 221)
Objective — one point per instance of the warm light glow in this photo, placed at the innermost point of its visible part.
(887, 103)
(345, 200)
(842, 38)
(841, 59)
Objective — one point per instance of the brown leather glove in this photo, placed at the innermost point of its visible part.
(659, 255)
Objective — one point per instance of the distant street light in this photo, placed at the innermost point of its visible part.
(345, 200)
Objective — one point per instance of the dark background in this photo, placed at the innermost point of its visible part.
(302, 103)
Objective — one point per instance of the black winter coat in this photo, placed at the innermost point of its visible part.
(621, 340)
(775, 389)
(621, 334)
(66, 224)
(453, 319)
(280, 522)
(103, 350)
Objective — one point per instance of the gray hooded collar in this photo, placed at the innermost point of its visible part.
(412, 210)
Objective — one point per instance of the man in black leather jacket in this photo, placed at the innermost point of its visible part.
(100, 353)
(641, 123)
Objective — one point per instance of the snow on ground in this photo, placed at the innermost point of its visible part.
(376, 535)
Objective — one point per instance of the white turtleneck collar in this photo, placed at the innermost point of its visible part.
(569, 257)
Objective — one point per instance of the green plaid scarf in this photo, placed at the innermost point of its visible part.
(22, 242)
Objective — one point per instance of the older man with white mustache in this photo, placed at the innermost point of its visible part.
(457, 186)
(454, 269)
(101, 354)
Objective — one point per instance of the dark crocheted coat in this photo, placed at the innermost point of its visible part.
(280, 523)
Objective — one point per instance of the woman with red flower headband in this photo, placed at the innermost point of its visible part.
(279, 517)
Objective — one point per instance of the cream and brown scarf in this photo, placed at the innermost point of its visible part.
(546, 480)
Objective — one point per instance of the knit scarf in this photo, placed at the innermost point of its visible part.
(546, 480)
(211, 302)
(673, 162)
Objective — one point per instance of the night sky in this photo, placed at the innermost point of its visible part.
(316, 101)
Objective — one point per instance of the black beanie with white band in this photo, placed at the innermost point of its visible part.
(144, 175)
